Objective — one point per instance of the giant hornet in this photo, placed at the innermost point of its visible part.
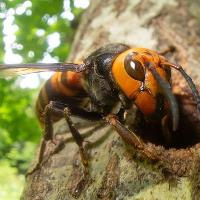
(104, 86)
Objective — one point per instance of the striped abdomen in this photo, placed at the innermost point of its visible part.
(63, 87)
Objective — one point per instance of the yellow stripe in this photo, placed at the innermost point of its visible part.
(59, 87)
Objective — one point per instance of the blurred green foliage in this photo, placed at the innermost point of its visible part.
(39, 20)
(20, 133)
(18, 124)
(11, 183)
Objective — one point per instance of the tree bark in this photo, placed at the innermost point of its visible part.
(117, 170)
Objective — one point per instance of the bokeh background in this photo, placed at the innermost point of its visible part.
(30, 31)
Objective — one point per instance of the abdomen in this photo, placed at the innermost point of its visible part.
(63, 87)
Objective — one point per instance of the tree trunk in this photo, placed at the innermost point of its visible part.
(117, 170)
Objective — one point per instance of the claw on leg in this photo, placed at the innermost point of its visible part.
(48, 136)
(130, 137)
(78, 139)
(165, 129)
(44, 156)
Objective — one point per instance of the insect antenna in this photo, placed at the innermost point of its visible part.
(165, 86)
(189, 81)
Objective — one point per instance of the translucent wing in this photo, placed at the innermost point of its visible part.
(21, 69)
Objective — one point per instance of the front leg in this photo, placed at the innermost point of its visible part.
(130, 137)
(169, 49)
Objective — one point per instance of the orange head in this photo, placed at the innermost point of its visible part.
(141, 77)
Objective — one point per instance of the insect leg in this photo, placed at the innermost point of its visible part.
(165, 129)
(169, 49)
(129, 137)
(77, 137)
(51, 108)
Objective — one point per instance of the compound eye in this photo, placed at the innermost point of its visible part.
(134, 68)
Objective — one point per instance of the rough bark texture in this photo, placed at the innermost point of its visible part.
(117, 171)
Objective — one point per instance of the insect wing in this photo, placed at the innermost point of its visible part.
(21, 69)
